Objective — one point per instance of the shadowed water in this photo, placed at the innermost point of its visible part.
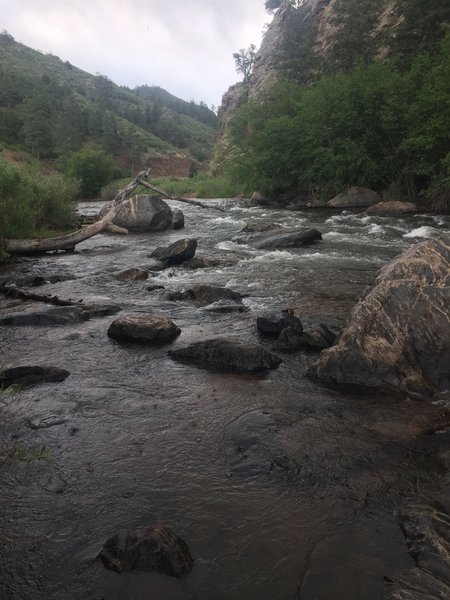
(283, 489)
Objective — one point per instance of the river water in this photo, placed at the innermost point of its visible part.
(283, 489)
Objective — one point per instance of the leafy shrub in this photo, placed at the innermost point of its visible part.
(94, 169)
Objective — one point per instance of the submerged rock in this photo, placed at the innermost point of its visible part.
(31, 375)
(261, 226)
(177, 252)
(142, 213)
(132, 275)
(398, 335)
(154, 549)
(354, 197)
(229, 354)
(143, 328)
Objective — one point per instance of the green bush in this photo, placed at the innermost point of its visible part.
(31, 201)
(94, 169)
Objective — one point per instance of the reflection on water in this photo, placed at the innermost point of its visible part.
(281, 488)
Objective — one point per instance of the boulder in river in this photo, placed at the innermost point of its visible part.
(177, 252)
(207, 294)
(398, 335)
(177, 218)
(132, 275)
(261, 226)
(59, 315)
(31, 375)
(257, 199)
(228, 354)
(153, 549)
(391, 209)
(354, 197)
(143, 328)
(283, 238)
(142, 213)
(273, 324)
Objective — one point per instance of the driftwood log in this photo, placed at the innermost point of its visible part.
(105, 224)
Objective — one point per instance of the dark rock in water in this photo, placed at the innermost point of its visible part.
(225, 353)
(142, 213)
(131, 275)
(31, 375)
(60, 315)
(153, 287)
(260, 226)
(273, 324)
(38, 281)
(427, 532)
(354, 197)
(177, 295)
(202, 262)
(391, 209)
(143, 328)
(257, 199)
(177, 252)
(315, 338)
(398, 335)
(284, 238)
(177, 218)
(207, 294)
(154, 549)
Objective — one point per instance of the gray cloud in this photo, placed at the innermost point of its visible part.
(183, 47)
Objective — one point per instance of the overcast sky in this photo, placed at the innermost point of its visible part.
(184, 47)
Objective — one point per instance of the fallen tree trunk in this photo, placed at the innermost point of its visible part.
(158, 190)
(69, 241)
(14, 292)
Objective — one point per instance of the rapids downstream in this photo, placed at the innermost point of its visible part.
(283, 489)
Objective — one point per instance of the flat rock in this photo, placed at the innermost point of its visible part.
(59, 315)
(285, 238)
(228, 354)
(31, 375)
(177, 252)
(354, 197)
(146, 550)
(398, 335)
(143, 328)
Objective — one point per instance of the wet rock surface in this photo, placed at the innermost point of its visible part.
(59, 315)
(143, 328)
(176, 253)
(177, 218)
(398, 335)
(142, 213)
(273, 324)
(32, 375)
(393, 208)
(132, 275)
(284, 238)
(228, 354)
(355, 197)
(153, 549)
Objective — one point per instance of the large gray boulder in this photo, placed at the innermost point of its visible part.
(177, 252)
(393, 208)
(143, 328)
(142, 213)
(282, 238)
(398, 335)
(354, 197)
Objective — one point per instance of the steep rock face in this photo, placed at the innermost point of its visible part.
(398, 335)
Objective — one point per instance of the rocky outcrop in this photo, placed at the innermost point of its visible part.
(227, 354)
(142, 213)
(354, 197)
(398, 335)
(391, 209)
(143, 328)
(154, 549)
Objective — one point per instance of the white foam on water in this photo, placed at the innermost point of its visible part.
(232, 246)
(337, 236)
(229, 221)
(274, 256)
(376, 229)
(422, 232)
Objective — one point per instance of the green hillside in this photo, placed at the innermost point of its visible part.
(49, 108)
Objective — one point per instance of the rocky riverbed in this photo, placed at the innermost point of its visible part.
(277, 486)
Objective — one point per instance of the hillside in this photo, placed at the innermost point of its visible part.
(344, 92)
(50, 107)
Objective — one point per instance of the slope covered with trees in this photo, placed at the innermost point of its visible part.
(50, 107)
(361, 97)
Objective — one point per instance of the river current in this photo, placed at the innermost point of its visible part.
(282, 488)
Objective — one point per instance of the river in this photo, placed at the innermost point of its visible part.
(282, 488)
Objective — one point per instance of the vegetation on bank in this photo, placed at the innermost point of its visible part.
(33, 204)
(380, 125)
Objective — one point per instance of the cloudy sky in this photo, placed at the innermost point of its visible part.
(184, 47)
